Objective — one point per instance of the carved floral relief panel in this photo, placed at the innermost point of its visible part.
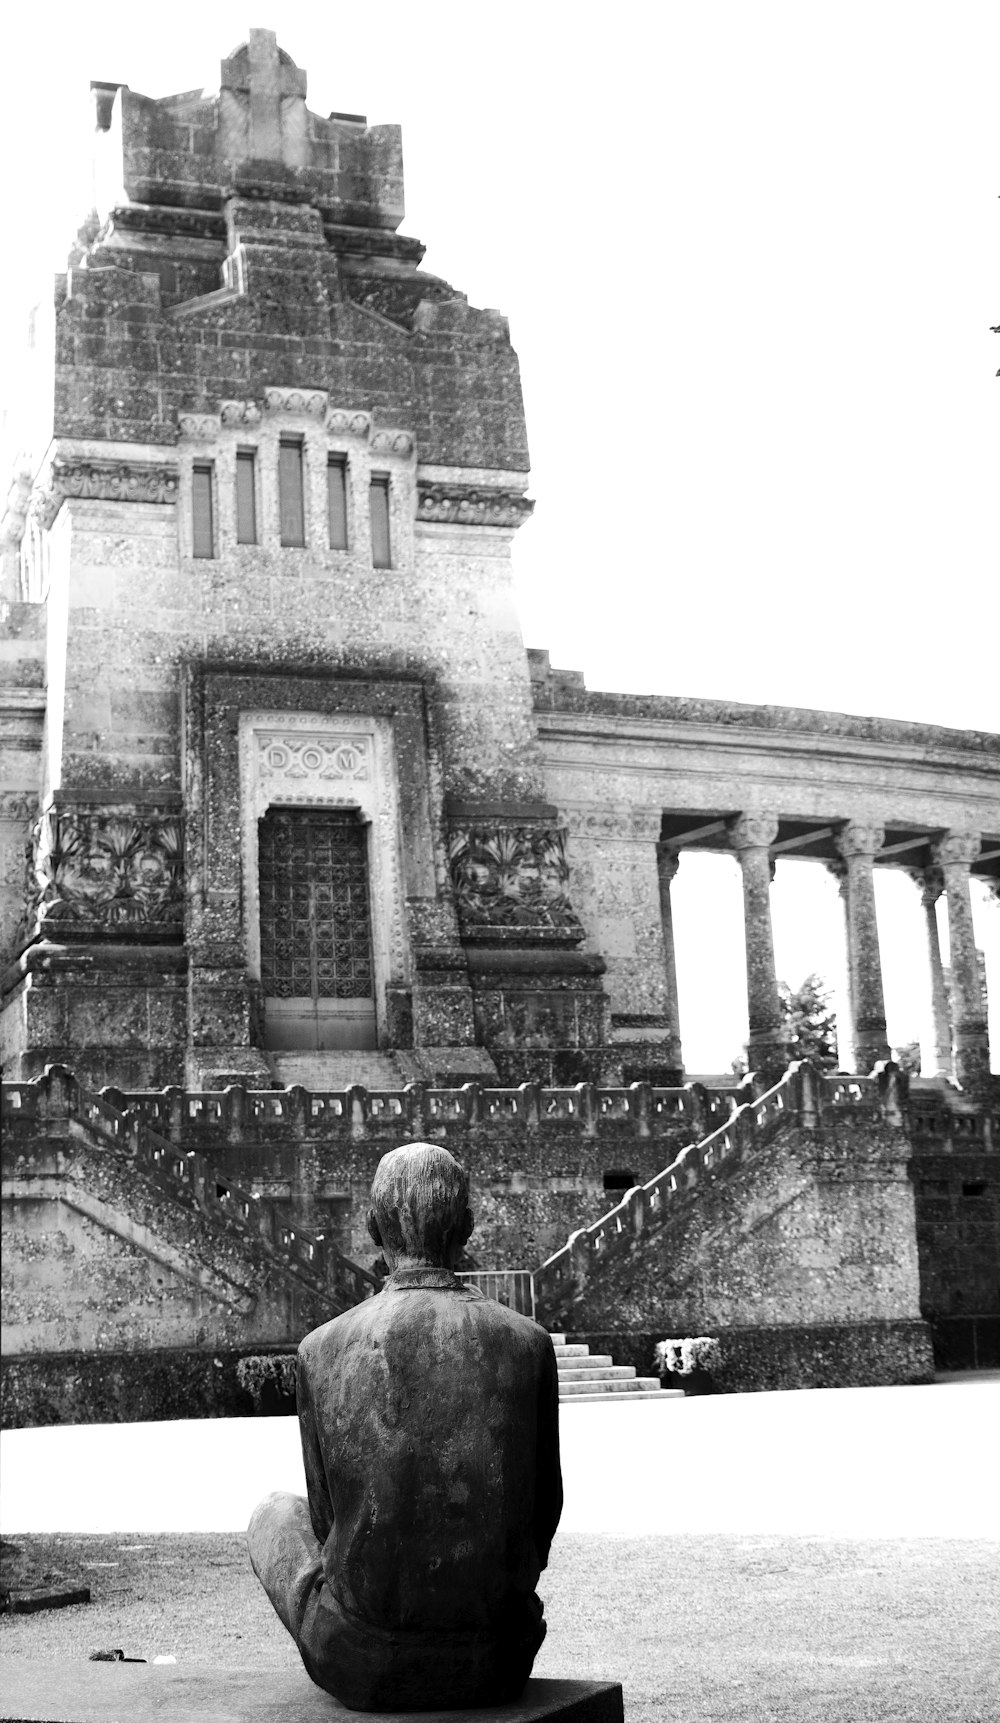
(113, 871)
(512, 877)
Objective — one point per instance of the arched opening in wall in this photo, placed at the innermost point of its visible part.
(316, 960)
(707, 913)
(807, 921)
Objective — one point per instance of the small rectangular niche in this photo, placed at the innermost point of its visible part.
(246, 507)
(619, 1179)
(974, 1188)
(202, 521)
(381, 548)
(336, 491)
(290, 502)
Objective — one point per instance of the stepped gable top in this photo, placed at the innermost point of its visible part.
(256, 138)
(565, 692)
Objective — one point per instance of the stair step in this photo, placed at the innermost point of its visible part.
(616, 1385)
(602, 1373)
(323, 1072)
(644, 1398)
(583, 1363)
(564, 1352)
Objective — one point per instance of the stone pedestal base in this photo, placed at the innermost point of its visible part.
(37, 1692)
(111, 1013)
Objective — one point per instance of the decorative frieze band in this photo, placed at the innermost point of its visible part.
(392, 443)
(314, 403)
(114, 871)
(240, 413)
(102, 481)
(199, 427)
(311, 401)
(343, 423)
(466, 506)
(512, 878)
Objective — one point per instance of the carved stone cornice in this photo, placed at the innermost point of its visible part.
(314, 402)
(342, 422)
(464, 505)
(753, 831)
(859, 838)
(118, 481)
(111, 872)
(957, 849)
(388, 442)
(512, 880)
(240, 413)
(199, 427)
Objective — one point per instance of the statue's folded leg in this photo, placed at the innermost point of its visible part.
(371, 1667)
(285, 1555)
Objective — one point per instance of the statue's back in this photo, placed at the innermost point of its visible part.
(429, 1420)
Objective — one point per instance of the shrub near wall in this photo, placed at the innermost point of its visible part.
(127, 1388)
(755, 1360)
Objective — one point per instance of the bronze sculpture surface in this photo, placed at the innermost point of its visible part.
(429, 1422)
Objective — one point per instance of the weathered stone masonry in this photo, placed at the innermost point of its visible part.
(301, 853)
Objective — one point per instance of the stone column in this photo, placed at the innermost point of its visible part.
(751, 836)
(857, 845)
(846, 1059)
(667, 863)
(930, 884)
(954, 855)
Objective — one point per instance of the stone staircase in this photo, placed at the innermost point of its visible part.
(330, 1072)
(586, 1377)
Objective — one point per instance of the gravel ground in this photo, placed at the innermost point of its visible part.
(734, 1629)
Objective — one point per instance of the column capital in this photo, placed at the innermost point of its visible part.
(859, 838)
(929, 881)
(756, 830)
(957, 849)
(668, 860)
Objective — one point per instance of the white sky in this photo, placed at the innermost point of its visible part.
(749, 257)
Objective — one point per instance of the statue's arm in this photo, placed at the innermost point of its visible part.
(548, 1476)
(320, 1505)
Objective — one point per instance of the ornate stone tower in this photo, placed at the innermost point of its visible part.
(289, 793)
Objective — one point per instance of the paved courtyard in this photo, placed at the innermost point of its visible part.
(852, 1462)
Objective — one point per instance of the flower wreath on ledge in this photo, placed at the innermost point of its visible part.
(683, 1357)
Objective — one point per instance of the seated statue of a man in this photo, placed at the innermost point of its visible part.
(429, 1422)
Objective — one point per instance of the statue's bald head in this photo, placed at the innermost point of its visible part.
(420, 1210)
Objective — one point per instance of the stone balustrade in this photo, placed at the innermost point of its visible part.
(802, 1095)
(188, 1177)
(237, 1114)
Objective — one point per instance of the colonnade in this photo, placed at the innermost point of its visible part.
(961, 1044)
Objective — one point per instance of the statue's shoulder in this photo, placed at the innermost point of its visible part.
(530, 1333)
(332, 1335)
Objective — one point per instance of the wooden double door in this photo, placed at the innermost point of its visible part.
(316, 964)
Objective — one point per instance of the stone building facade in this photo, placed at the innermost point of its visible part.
(284, 799)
